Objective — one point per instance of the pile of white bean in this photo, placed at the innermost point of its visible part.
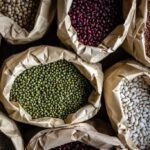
(135, 96)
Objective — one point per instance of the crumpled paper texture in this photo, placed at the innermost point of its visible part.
(114, 77)
(82, 132)
(14, 34)
(9, 128)
(16, 64)
(68, 35)
(135, 40)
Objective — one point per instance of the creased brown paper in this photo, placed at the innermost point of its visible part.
(16, 64)
(9, 128)
(14, 34)
(68, 35)
(114, 76)
(135, 40)
(82, 132)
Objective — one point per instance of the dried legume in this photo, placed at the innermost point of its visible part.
(5, 142)
(52, 90)
(74, 146)
(147, 32)
(135, 96)
(23, 12)
(93, 20)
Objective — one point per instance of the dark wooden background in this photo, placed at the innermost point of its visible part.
(50, 38)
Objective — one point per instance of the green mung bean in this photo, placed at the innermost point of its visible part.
(52, 90)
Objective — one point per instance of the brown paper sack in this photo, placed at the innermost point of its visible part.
(16, 64)
(114, 77)
(135, 41)
(14, 34)
(82, 132)
(68, 35)
(9, 128)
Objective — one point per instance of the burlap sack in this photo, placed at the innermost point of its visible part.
(9, 128)
(114, 76)
(82, 132)
(16, 64)
(68, 35)
(135, 41)
(14, 34)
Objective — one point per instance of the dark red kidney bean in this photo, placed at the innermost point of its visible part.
(95, 19)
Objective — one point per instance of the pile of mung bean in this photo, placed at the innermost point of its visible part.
(75, 146)
(52, 90)
(135, 96)
(23, 12)
(5, 142)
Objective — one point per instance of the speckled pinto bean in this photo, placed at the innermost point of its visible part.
(93, 20)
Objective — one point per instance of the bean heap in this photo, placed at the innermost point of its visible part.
(23, 12)
(52, 90)
(147, 32)
(75, 146)
(93, 20)
(5, 142)
(135, 96)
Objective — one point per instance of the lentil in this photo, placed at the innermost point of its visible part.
(23, 12)
(147, 32)
(75, 146)
(52, 90)
(136, 107)
(93, 20)
(5, 142)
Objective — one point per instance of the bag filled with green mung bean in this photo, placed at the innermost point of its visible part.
(50, 87)
(79, 136)
(25, 21)
(10, 137)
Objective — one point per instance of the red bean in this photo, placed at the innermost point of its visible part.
(95, 19)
